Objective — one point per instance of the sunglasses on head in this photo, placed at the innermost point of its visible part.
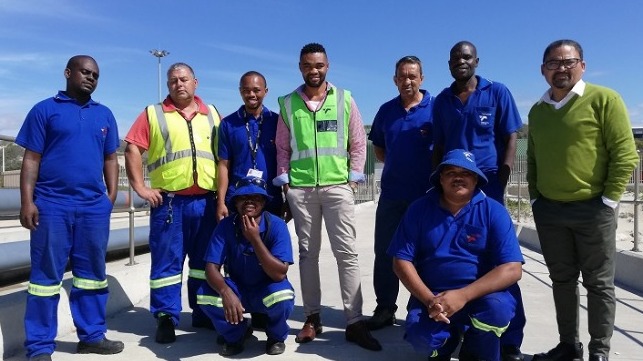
(251, 181)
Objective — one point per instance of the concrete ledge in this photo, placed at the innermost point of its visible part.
(128, 286)
(628, 263)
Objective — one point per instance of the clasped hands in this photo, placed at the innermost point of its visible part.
(445, 304)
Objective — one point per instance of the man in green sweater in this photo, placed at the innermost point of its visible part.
(580, 156)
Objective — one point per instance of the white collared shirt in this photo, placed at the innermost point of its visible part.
(578, 89)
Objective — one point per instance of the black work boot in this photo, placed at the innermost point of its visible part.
(165, 329)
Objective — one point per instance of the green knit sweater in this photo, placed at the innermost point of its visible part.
(583, 150)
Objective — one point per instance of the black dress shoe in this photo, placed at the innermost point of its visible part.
(511, 353)
(165, 329)
(274, 347)
(102, 347)
(382, 317)
(358, 333)
(231, 349)
(562, 352)
(597, 357)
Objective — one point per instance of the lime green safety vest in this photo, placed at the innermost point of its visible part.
(179, 148)
(319, 140)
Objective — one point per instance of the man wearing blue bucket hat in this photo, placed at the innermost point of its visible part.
(256, 250)
(456, 251)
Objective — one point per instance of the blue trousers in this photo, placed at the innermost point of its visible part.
(276, 300)
(385, 282)
(482, 321)
(180, 227)
(78, 235)
(515, 334)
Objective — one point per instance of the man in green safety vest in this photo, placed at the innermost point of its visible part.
(321, 150)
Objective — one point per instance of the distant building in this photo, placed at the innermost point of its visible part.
(638, 132)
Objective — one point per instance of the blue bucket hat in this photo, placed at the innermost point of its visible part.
(250, 186)
(459, 158)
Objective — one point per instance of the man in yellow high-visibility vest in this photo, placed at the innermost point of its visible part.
(178, 135)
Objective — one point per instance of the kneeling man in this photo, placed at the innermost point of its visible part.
(456, 251)
(256, 250)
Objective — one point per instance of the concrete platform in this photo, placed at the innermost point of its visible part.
(131, 322)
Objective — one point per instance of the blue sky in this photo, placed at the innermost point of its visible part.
(364, 39)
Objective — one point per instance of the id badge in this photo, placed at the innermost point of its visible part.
(255, 173)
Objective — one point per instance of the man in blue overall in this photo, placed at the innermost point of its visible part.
(70, 146)
(247, 148)
(247, 145)
(401, 127)
(457, 253)
(481, 116)
(256, 249)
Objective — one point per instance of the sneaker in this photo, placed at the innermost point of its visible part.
(562, 352)
(382, 317)
(102, 347)
(165, 329)
(274, 347)
(41, 357)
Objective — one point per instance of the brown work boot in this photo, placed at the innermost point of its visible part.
(311, 328)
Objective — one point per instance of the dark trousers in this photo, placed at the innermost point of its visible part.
(580, 237)
(385, 283)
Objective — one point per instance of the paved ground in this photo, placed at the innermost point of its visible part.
(136, 327)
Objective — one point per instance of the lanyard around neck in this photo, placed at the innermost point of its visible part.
(255, 146)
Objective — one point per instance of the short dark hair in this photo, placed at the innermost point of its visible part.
(253, 73)
(462, 43)
(74, 60)
(409, 59)
(180, 65)
(563, 42)
(312, 48)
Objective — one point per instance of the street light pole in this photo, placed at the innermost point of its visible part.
(159, 54)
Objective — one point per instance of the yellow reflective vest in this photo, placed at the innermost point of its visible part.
(180, 148)
(319, 140)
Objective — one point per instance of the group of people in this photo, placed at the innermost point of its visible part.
(222, 189)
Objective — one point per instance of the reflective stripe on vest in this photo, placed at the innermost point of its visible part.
(488, 328)
(164, 282)
(338, 151)
(87, 284)
(165, 133)
(278, 297)
(197, 273)
(44, 291)
(179, 148)
(319, 139)
(215, 301)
